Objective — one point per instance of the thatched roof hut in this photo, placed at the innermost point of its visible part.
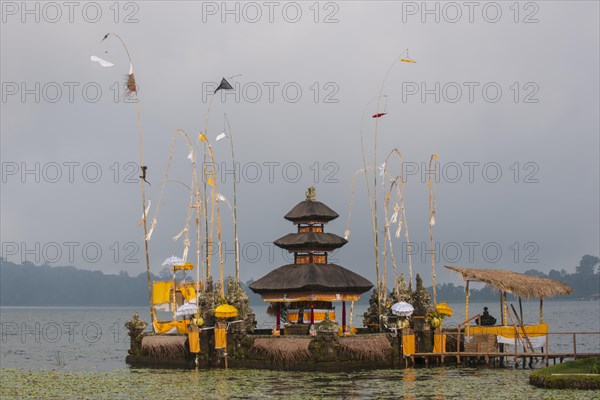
(521, 285)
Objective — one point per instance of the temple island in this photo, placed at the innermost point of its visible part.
(214, 328)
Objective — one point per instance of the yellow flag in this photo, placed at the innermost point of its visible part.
(408, 60)
(210, 181)
(201, 137)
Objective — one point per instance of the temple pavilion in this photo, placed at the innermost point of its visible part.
(309, 287)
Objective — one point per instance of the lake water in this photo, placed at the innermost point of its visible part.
(68, 352)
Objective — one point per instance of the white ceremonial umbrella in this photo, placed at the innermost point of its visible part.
(402, 309)
(172, 261)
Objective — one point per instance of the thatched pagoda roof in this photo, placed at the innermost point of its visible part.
(310, 211)
(512, 282)
(317, 241)
(315, 278)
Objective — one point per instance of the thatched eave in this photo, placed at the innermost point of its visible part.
(521, 285)
(313, 278)
(308, 211)
(310, 240)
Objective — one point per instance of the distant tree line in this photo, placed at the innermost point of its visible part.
(30, 285)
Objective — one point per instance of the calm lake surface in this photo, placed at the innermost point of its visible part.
(68, 352)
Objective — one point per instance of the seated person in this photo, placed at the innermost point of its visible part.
(486, 319)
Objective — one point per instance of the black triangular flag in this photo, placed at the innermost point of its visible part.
(224, 85)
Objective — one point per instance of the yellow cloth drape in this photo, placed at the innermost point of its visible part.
(168, 326)
(220, 338)
(164, 327)
(194, 341)
(319, 315)
(189, 293)
(439, 343)
(292, 316)
(408, 344)
(295, 297)
(184, 267)
(161, 292)
(509, 331)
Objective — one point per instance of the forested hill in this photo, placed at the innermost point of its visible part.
(30, 285)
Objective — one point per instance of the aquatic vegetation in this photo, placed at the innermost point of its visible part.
(426, 383)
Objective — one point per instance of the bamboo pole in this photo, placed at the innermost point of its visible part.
(215, 202)
(467, 332)
(235, 225)
(505, 309)
(142, 181)
(174, 297)
(520, 310)
(518, 336)
(194, 190)
(522, 326)
(547, 351)
(541, 310)
(432, 208)
(467, 301)
(373, 201)
(458, 346)
(516, 359)
(387, 237)
(400, 190)
(200, 271)
(501, 310)
(373, 211)
(205, 203)
(375, 224)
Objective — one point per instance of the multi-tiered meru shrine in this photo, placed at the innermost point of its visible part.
(303, 295)
(309, 287)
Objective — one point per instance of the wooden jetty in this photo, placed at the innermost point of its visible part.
(493, 356)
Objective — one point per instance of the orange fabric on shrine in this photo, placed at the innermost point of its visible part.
(408, 344)
(194, 342)
(439, 343)
(220, 338)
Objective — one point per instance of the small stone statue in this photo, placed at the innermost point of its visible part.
(327, 325)
(486, 319)
(311, 194)
(136, 327)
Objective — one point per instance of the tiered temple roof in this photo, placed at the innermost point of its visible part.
(311, 276)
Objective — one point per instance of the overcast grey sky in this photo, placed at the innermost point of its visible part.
(497, 89)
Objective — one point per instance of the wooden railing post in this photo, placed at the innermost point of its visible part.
(458, 347)
(516, 349)
(574, 345)
(547, 346)
(443, 344)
